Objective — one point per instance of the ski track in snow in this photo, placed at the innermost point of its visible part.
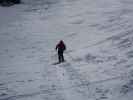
(98, 58)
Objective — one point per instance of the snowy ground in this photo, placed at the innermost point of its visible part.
(99, 39)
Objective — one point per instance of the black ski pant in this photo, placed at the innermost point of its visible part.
(60, 56)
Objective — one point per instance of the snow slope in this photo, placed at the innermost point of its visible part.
(99, 55)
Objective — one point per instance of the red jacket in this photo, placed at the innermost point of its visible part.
(61, 46)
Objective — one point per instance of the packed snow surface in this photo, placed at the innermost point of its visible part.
(99, 55)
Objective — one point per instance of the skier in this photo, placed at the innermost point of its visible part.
(61, 47)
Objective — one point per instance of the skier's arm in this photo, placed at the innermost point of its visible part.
(56, 47)
(64, 47)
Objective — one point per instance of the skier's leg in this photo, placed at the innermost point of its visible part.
(62, 57)
(59, 57)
